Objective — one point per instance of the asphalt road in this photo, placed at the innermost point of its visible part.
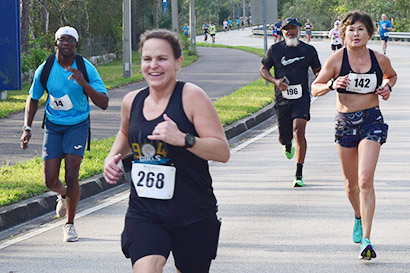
(267, 226)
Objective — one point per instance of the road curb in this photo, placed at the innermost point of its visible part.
(29, 209)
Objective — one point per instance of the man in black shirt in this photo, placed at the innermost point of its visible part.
(291, 59)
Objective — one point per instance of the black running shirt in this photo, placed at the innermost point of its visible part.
(292, 62)
(193, 198)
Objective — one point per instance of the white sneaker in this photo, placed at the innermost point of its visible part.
(61, 207)
(70, 235)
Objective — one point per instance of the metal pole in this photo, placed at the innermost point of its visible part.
(192, 23)
(243, 10)
(174, 6)
(265, 36)
(126, 39)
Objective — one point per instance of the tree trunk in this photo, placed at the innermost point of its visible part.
(156, 17)
(25, 25)
(44, 16)
(134, 22)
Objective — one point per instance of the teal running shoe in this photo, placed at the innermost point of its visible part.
(367, 251)
(289, 155)
(357, 231)
(298, 182)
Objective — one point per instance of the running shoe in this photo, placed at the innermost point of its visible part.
(289, 155)
(298, 182)
(357, 231)
(70, 235)
(61, 206)
(367, 251)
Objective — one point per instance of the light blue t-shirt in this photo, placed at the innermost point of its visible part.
(67, 103)
(387, 24)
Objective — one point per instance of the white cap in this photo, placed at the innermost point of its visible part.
(66, 31)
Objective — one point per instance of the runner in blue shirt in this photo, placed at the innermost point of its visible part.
(384, 27)
(186, 30)
(66, 121)
(278, 28)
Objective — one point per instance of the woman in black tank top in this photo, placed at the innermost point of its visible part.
(172, 129)
(360, 77)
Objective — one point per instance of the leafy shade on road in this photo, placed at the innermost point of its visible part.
(24, 180)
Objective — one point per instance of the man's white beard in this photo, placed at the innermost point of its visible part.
(291, 42)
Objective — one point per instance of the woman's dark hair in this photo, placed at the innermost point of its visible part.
(354, 16)
(163, 34)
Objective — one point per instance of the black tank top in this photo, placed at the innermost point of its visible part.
(193, 198)
(374, 69)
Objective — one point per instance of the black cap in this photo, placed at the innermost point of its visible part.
(290, 21)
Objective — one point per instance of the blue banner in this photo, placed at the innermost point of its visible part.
(10, 58)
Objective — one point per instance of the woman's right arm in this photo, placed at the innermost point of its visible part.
(112, 173)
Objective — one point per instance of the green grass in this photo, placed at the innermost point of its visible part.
(24, 179)
(244, 102)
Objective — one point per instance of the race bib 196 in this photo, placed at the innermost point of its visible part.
(293, 92)
(153, 181)
(63, 103)
(362, 83)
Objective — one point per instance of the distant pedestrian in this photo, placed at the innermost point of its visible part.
(308, 30)
(339, 20)
(66, 121)
(334, 35)
(212, 31)
(274, 33)
(360, 76)
(230, 23)
(384, 28)
(238, 23)
(250, 21)
(172, 130)
(186, 30)
(243, 23)
(205, 28)
(278, 28)
(225, 24)
(291, 60)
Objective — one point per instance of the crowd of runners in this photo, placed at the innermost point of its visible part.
(172, 130)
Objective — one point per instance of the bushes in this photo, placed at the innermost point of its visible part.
(39, 50)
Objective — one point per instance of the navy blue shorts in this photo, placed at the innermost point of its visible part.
(193, 246)
(351, 128)
(60, 140)
(384, 38)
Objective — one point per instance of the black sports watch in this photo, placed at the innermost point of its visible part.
(189, 140)
(390, 87)
(330, 84)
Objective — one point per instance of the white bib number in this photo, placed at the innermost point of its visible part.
(293, 92)
(386, 34)
(153, 181)
(63, 103)
(362, 83)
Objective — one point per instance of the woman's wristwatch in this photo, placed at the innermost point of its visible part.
(330, 84)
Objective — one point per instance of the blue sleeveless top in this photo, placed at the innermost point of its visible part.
(374, 69)
(193, 198)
